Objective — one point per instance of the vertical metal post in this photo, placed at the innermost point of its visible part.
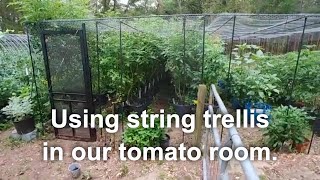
(230, 59)
(98, 66)
(312, 136)
(34, 77)
(86, 68)
(47, 67)
(184, 57)
(184, 48)
(203, 47)
(87, 77)
(120, 50)
(98, 58)
(230, 54)
(297, 62)
(121, 74)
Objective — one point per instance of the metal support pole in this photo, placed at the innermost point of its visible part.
(184, 57)
(98, 66)
(34, 78)
(98, 58)
(312, 136)
(203, 48)
(122, 64)
(230, 59)
(297, 62)
(184, 46)
(230, 54)
(120, 49)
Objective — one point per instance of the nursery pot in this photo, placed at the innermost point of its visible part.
(302, 147)
(148, 98)
(119, 107)
(236, 104)
(100, 99)
(75, 170)
(182, 109)
(137, 106)
(25, 126)
(206, 108)
(316, 126)
(165, 142)
(258, 108)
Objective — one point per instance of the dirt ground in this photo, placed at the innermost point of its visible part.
(20, 160)
(24, 161)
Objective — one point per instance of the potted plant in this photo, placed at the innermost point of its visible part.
(288, 125)
(19, 110)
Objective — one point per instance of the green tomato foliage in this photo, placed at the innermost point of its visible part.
(289, 125)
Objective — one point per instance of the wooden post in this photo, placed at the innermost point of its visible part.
(202, 92)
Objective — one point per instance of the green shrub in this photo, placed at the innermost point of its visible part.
(248, 80)
(144, 137)
(307, 82)
(18, 108)
(288, 125)
(34, 11)
(140, 61)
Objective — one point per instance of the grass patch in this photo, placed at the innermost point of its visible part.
(13, 143)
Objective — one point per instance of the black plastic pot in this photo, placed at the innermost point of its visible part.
(137, 106)
(119, 108)
(215, 108)
(183, 109)
(316, 126)
(166, 142)
(2, 117)
(25, 126)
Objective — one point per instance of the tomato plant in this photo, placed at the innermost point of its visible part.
(289, 125)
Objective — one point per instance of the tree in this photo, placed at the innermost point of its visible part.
(33, 11)
(277, 6)
(9, 17)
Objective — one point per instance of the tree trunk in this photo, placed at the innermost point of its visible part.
(179, 5)
(159, 6)
(105, 5)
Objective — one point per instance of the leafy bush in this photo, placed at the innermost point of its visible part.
(144, 137)
(13, 76)
(289, 125)
(248, 80)
(216, 63)
(183, 69)
(307, 82)
(186, 69)
(18, 108)
(141, 60)
(35, 11)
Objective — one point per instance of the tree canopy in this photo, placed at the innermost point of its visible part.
(13, 12)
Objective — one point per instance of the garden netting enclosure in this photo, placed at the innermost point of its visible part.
(120, 62)
(14, 66)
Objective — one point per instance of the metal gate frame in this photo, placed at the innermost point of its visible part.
(87, 79)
